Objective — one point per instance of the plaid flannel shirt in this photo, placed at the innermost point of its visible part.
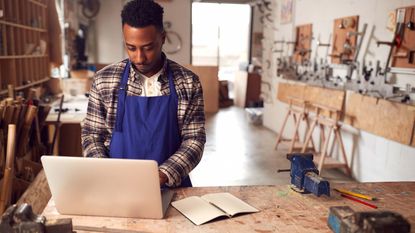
(102, 108)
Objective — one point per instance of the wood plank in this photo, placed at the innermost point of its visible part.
(38, 3)
(16, 11)
(281, 209)
(4, 39)
(297, 146)
(330, 98)
(35, 83)
(329, 162)
(391, 120)
(8, 12)
(37, 194)
(302, 49)
(287, 91)
(394, 121)
(11, 40)
(22, 26)
(22, 57)
(208, 76)
(349, 24)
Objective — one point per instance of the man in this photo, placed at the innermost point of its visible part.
(147, 106)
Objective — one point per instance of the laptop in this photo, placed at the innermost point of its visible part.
(106, 187)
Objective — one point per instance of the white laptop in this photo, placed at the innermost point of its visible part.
(106, 187)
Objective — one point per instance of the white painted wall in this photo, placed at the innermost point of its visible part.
(110, 47)
(179, 13)
(373, 158)
(109, 39)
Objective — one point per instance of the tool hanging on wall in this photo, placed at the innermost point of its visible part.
(397, 39)
(267, 17)
(411, 24)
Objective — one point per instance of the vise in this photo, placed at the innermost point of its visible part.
(305, 176)
(21, 219)
(342, 219)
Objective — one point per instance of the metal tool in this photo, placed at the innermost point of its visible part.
(411, 24)
(397, 39)
(21, 219)
(305, 176)
(343, 219)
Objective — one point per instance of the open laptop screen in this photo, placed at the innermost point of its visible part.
(105, 187)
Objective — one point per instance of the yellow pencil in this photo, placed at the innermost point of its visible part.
(355, 194)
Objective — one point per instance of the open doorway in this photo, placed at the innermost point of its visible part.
(221, 37)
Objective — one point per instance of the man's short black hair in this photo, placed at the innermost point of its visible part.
(142, 13)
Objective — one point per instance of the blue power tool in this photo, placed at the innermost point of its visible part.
(305, 176)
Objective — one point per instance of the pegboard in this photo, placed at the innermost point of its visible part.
(302, 48)
(403, 55)
(344, 39)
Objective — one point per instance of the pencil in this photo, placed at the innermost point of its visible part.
(357, 200)
(355, 194)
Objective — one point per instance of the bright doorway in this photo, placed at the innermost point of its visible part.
(221, 36)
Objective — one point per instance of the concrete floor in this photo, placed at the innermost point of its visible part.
(238, 152)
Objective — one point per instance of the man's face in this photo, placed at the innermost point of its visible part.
(144, 48)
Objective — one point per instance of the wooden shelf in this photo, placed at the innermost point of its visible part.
(32, 84)
(38, 3)
(22, 26)
(23, 30)
(23, 56)
(19, 88)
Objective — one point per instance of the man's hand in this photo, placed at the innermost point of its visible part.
(162, 178)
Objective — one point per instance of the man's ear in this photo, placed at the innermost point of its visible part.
(163, 37)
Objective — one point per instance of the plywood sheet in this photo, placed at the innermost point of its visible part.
(391, 120)
(281, 210)
(37, 194)
(341, 28)
(302, 49)
(208, 76)
(330, 98)
(287, 91)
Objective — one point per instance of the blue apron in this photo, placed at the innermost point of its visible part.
(146, 127)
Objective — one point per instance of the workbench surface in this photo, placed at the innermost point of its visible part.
(281, 210)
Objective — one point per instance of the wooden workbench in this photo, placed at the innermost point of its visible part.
(282, 210)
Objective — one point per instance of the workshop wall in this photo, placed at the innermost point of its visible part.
(110, 43)
(374, 158)
(110, 47)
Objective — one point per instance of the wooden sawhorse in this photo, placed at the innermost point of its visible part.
(324, 159)
(298, 109)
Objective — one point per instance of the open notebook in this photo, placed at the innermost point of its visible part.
(202, 209)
